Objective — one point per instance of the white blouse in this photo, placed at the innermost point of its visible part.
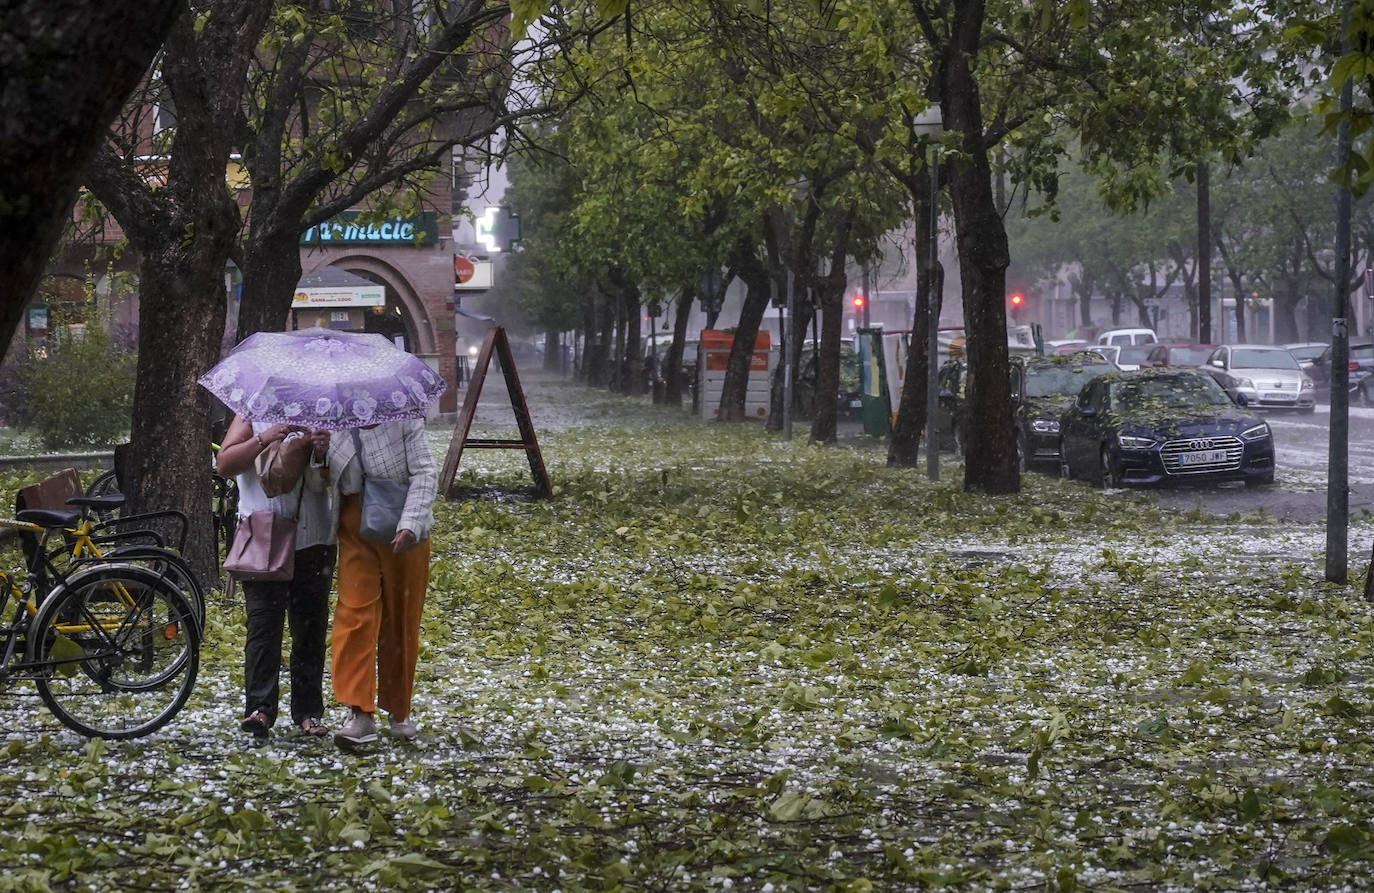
(315, 523)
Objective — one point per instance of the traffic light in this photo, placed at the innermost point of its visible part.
(859, 302)
(1015, 303)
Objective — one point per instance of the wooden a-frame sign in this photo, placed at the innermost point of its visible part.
(496, 341)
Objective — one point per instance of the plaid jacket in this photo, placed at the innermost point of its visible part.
(397, 451)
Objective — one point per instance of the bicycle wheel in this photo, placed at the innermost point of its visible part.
(115, 651)
(169, 564)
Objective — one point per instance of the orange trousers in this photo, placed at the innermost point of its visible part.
(376, 637)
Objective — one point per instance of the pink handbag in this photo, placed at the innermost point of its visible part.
(264, 548)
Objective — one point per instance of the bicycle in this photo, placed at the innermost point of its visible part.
(224, 505)
(132, 538)
(112, 647)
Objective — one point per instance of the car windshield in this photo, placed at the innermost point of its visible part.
(1252, 358)
(1363, 352)
(1134, 354)
(1189, 356)
(1169, 392)
(1061, 380)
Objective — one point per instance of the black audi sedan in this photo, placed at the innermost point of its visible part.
(1041, 389)
(1163, 426)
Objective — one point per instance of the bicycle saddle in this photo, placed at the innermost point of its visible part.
(48, 518)
(108, 501)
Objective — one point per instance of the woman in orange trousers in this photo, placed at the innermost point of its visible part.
(382, 582)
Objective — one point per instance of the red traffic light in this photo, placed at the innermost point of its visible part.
(1017, 299)
(858, 302)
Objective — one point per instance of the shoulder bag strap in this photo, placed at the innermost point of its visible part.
(358, 446)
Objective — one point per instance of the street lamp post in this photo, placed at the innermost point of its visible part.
(929, 125)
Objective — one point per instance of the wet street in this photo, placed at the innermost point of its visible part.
(1299, 492)
(1300, 489)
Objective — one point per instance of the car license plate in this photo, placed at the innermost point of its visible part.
(856, 404)
(1275, 395)
(1202, 457)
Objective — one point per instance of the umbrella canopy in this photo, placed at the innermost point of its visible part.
(320, 378)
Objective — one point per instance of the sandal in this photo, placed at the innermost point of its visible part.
(312, 726)
(255, 724)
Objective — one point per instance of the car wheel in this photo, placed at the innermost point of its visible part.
(1365, 398)
(1262, 481)
(1110, 478)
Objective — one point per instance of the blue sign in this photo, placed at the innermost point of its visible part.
(347, 229)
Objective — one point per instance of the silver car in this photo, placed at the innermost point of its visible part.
(1264, 375)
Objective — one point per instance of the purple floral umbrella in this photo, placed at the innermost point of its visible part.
(320, 378)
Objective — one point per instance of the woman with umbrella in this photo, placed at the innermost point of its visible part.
(302, 600)
(364, 385)
(382, 582)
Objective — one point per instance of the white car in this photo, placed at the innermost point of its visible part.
(1127, 336)
(1265, 375)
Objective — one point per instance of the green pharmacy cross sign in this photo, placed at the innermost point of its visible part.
(498, 229)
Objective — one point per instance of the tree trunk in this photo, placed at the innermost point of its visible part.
(1085, 302)
(672, 394)
(615, 359)
(599, 343)
(553, 351)
(56, 115)
(584, 361)
(1238, 286)
(271, 266)
(738, 369)
(169, 459)
(632, 359)
(990, 456)
(903, 446)
(830, 295)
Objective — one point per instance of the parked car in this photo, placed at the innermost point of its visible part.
(1361, 371)
(1163, 426)
(1065, 345)
(1266, 375)
(1127, 336)
(1306, 351)
(1133, 356)
(949, 434)
(1108, 352)
(1042, 388)
(848, 401)
(1180, 354)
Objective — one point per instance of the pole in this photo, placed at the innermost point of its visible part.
(1338, 448)
(867, 296)
(789, 350)
(1204, 253)
(932, 325)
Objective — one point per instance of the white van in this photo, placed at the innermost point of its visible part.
(1127, 336)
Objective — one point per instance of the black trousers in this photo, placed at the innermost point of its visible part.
(302, 601)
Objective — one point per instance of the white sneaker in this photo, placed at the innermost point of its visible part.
(360, 729)
(404, 728)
